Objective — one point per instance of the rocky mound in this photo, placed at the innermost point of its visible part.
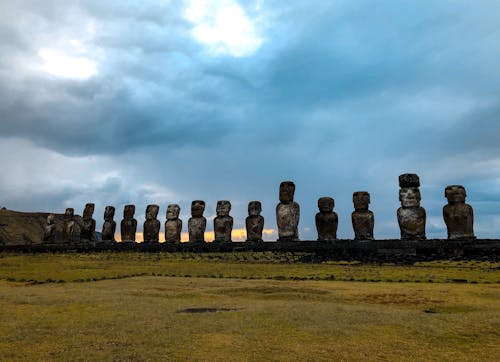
(28, 227)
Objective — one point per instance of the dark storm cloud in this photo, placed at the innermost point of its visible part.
(339, 97)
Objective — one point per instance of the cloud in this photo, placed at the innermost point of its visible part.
(178, 101)
(224, 27)
(69, 67)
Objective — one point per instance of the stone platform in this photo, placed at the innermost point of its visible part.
(393, 250)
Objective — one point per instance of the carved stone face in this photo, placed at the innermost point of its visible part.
(326, 204)
(109, 213)
(409, 196)
(68, 214)
(128, 212)
(254, 208)
(197, 208)
(152, 211)
(223, 208)
(88, 211)
(173, 211)
(287, 190)
(361, 200)
(50, 219)
(455, 194)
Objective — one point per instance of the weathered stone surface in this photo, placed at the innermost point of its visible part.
(109, 226)
(173, 225)
(197, 224)
(69, 225)
(411, 217)
(363, 220)
(409, 180)
(223, 223)
(152, 224)
(87, 229)
(458, 216)
(287, 213)
(128, 226)
(49, 234)
(254, 221)
(326, 219)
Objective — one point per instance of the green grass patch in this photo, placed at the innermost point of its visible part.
(58, 268)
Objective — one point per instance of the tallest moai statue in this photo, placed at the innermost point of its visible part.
(411, 216)
(287, 213)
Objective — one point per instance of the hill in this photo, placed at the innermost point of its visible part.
(28, 227)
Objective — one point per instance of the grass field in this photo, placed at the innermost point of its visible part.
(252, 306)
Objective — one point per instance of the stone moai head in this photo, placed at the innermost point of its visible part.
(50, 219)
(361, 200)
(197, 208)
(109, 213)
(326, 204)
(455, 194)
(287, 191)
(254, 208)
(88, 211)
(152, 212)
(223, 208)
(173, 211)
(409, 194)
(69, 213)
(128, 212)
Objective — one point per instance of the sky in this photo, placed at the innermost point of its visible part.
(159, 102)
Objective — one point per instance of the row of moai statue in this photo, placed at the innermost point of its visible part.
(458, 217)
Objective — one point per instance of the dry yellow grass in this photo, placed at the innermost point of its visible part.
(142, 318)
(229, 319)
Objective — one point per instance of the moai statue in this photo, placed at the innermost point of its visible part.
(49, 234)
(363, 220)
(223, 223)
(458, 216)
(287, 213)
(327, 220)
(254, 221)
(87, 231)
(197, 224)
(411, 217)
(128, 226)
(173, 225)
(109, 226)
(69, 225)
(152, 224)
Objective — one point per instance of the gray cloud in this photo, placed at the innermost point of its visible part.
(339, 98)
